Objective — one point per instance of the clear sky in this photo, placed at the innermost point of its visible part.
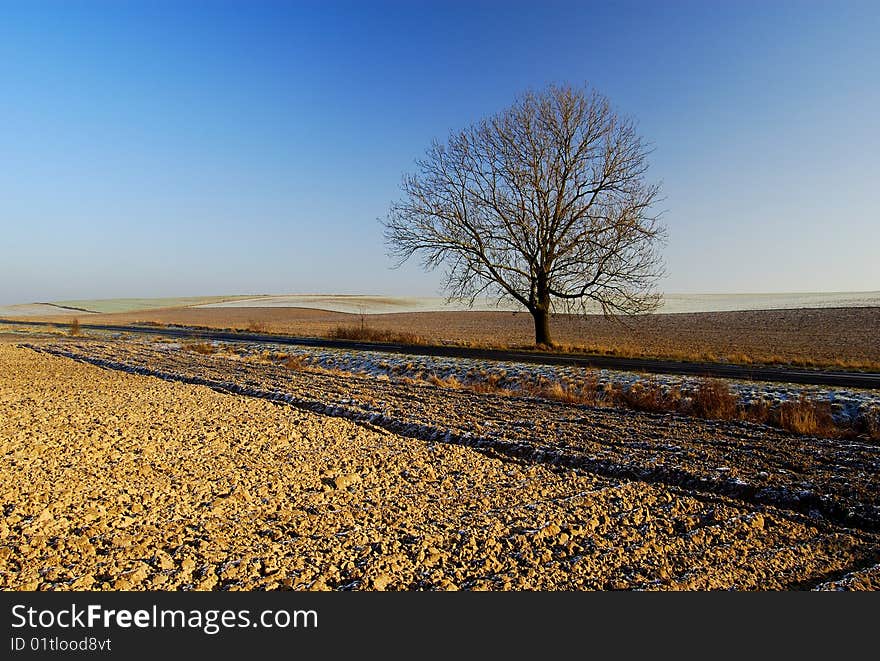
(171, 149)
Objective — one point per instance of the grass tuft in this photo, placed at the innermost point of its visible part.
(871, 424)
(490, 384)
(204, 348)
(295, 363)
(713, 399)
(449, 382)
(805, 416)
(367, 334)
(649, 396)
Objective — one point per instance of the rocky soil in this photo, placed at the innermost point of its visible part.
(225, 473)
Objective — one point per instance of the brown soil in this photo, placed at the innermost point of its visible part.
(113, 481)
(839, 337)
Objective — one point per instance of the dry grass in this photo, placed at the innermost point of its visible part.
(204, 348)
(806, 416)
(491, 384)
(694, 356)
(368, 334)
(759, 411)
(74, 327)
(648, 395)
(449, 382)
(586, 392)
(295, 363)
(713, 399)
(871, 424)
(621, 350)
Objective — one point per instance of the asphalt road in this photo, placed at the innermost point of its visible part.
(753, 373)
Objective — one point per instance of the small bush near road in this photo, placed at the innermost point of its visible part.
(805, 416)
(713, 399)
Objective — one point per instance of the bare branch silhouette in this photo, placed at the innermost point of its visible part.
(545, 204)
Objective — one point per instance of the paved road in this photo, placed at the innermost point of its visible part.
(772, 374)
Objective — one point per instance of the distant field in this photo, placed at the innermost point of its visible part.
(840, 337)
(352, 304)
(814, 334)
(333, 302)
(364, 304)
(110, 305)
(672, 303)
(27, 310)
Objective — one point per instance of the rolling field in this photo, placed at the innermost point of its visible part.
(837, 337)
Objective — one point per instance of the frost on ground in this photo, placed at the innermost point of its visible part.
(847, 405)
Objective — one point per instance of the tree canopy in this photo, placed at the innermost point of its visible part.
(545, 203)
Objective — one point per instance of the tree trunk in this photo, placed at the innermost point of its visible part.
(542, 327)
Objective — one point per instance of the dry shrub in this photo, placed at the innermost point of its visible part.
(204, 348)
(258, 326)
(805, 416)
(569, 393)
(449, 382)
(713, 399)
(366, 334)
(74, 328)
(649, 396)
(608, 395)
(295, 362)
(490, 384)
(758, 411)
(584, 392)
(871, 424)
(559, 392)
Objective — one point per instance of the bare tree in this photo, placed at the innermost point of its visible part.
(545, 203)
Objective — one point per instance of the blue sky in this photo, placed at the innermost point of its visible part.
(165, 149)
